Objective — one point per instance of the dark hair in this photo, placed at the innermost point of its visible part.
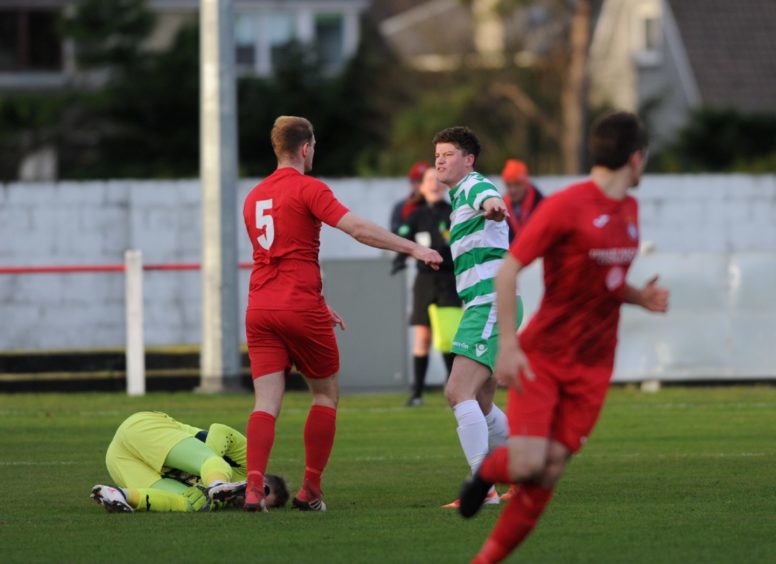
(289, 133)
(277, 485)
(462, 137)
(614, 138)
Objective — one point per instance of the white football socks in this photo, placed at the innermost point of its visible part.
(472, 432)
(498, 427)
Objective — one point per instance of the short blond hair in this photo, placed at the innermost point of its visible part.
(289, 133)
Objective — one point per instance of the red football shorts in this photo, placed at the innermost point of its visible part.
(563, 402)
(279, 338)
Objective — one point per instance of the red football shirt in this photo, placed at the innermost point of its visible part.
(283, 216)
(588, 242)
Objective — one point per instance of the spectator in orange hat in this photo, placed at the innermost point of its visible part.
(521, 195)
(403, 208)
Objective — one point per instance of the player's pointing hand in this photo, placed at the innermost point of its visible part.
(495, 209)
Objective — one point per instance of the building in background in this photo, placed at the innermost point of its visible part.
(34, 56)
(40, 62)
(661, 58)
(264, 28)
(666, 57)
(477, 34)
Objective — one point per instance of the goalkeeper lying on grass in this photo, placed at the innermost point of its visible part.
(160, 464)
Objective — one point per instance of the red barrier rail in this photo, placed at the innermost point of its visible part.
(70, 269)
(132, 269)
(61, 269)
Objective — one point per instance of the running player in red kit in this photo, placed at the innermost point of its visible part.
(287, 319)
(559, 368)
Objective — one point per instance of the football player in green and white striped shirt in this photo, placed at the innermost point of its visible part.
(479, 238)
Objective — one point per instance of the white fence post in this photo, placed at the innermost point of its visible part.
(133, 262)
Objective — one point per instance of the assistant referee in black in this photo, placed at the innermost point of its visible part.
(429, 225)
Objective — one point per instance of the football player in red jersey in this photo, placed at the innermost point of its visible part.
(559, 367)
(287, 319)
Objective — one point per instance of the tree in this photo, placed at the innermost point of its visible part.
(27, 122)
(143, 119)
(143, 123)
(140, 117)
(351, 111)
(572, 55)
(130, 113)
(108, 33)
(723, 140)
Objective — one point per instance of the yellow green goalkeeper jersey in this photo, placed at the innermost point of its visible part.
(150, 435)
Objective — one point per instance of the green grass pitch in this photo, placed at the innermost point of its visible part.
(684, 475)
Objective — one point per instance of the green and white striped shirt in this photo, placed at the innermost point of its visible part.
(478, 244)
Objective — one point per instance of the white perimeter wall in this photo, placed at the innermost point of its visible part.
(714, 243)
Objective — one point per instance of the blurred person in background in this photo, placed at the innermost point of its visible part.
(520, 195)
(287, 319)
(159, 464)
(428, 225)
(479, 238)
(404, 207)
(560, 366)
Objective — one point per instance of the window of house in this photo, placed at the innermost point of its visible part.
(264, 37)
(245, 33)
(281, 29)
(651, 33)
(330, 39)
(648, 34)
(30, 40)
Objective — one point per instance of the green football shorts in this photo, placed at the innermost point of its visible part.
(477, 335)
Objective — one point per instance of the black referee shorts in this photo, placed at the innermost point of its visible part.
(432, 288)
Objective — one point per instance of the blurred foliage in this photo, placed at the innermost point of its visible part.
(143, 119)
(108, 32)
(374, 118)
(351, 111)
(464, 97)
(722, 140)
(26, 123)
(135, 113)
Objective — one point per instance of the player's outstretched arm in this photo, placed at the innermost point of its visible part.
(650, 296)
(371, 234)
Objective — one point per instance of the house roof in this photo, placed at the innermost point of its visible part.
(380, 10)
(731, 46)
(416, 31)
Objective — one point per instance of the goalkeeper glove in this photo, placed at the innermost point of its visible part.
(197, 499)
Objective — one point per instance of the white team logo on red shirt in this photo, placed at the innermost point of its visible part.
(615, 277)
(601, 220)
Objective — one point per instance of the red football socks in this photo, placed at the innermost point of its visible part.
(514, 524)
(495, 467)
(261, 436)
(319, 433)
